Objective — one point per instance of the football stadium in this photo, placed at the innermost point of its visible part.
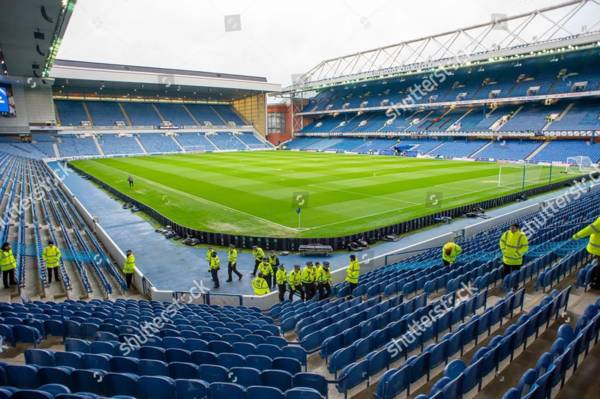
(186, 216)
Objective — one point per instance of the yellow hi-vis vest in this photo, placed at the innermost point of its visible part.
(593, 231)
(232, 255)
(264, 268)
(513, 247)
(260, 286)
(7, 261)
(456, 250)
(323, 275)
(129, 265)
(308, 275)
(258, 253)
(295, 279)
(353, 272)
(215, 263)
(51, 256)
(209, 255)
(281, 277)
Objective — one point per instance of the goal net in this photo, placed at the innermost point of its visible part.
(580, 164)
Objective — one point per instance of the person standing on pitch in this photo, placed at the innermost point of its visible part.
(129, 267)
(130, 181)
(353, 273)
(215, 265)
(514, 245)
(450, 252)
(259, 255)
(8, 264)
(281, 279)
(51, 257)
(324, 281)
(232, 254)
(593, 248)
(265, 269)
(295, 281)
(274, 262)
(308, 281)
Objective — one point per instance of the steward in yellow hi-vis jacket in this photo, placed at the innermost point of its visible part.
(281, 279)
(264, 268)
(8, 264)
(593, 247)
(129, 267)
(259, 285)
(295, 282)
(353, 273)
(259, 255)
(215, 265)
(450, 252)
(514, 245)
(232, 255)
(309, 281)
(51, 257)
(324, 281)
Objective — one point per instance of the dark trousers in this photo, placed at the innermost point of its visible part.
(256, 263)
(215, 277)
(324, 290)
(352, 287)
(269, 280)
(8, 277)
(52, 270)
(281, 292)
(130, 184)
(294, 290)
(508, 269)
(309, 290)
(595, 283)
(129, 279)
(446, 263)
(232, 268)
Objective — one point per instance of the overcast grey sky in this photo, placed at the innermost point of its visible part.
(278, 38)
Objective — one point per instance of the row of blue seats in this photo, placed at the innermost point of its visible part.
(25, 381)
(177, 363)
(310, 311)
(568, 350)
(554, 274)
(151, 349)
(585, 274)
(461, 380)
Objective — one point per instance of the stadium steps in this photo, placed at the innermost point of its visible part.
(191, 115)
(138, 141)
(496, 126)
(125, 115)
(238, 139)
(480, 149)
(98, 146)
(87, 112)
(463, 116)
(55, 149)
(155, 108)
(537, 150)
(560, 116)
(220, 117)
(436, 148)
(178, 143)
(211, 142)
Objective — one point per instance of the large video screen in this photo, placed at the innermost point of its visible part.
(4, 99)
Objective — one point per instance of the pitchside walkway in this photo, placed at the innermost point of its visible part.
(170, 265)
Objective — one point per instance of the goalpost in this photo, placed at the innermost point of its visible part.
(579, 163)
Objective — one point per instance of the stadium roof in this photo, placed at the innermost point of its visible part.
(92, 79)
(30, 34)
(571, 24)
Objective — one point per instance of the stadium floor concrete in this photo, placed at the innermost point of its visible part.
(170, 265)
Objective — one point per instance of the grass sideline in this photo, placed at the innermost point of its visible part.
(252, 193)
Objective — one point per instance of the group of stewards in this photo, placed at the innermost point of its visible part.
(514, 245)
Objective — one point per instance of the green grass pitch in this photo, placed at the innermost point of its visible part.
(251, 193)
